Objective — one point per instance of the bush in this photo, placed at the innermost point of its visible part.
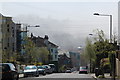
(38, 64)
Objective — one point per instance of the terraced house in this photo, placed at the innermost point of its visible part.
(51, 47)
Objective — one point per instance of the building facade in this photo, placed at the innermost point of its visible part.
(75, 59)
(1, 21)
(9, 40)
(43, 42)
(118, 53)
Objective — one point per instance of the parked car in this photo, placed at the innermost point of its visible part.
(83, 69)
(41, 70)
(98, 71)
(68, 71)
(8, 71)
(48, 69)
(53, 67)
(31, 70)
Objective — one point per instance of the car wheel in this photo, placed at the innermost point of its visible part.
(37, 75)
(17, 77)
(44, 73)
(13, 77)
(96, 74)
(25, 75)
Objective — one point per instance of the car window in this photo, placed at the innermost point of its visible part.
(12, 67)
(30, 67)
(5, 67)
(40, 67)
(52, 66)
(82, 67)
(48, 67)
(45, 66)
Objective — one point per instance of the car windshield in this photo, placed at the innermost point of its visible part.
(30, 67)
(45, 66)
(82, 67)
(40, 67)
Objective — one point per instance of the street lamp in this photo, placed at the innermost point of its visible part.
(110, 33)
(25, 30)
(110, 23)
(90, 54)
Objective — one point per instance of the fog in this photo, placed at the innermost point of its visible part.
(61, 32)
(67, 24)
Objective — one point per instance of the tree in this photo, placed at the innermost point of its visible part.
(41, 54)
(90, 53)
(29, 51)
(33, 54)
(100, 48)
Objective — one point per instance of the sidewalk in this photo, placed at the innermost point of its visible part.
(107, 77)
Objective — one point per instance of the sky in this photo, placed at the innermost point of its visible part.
(67, 23)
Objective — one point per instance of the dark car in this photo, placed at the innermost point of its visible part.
(53, 67)
(68, 71)
(31, 70)
(98, 71)
(41, 70)
(48, 69)
(83, 69)
(9, 72)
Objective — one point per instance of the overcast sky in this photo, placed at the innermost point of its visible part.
(67, 23)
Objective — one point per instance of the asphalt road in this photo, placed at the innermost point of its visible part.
(61, 76)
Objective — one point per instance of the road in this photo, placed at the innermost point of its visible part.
(61, 76)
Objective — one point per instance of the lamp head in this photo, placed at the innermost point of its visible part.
(96, 14)
(37, 26)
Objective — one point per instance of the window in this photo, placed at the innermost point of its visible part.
(51, 50)
(55, 56)
(8, 30)
(13, 47)
(78, 57)
(8, 27)
(8, 44)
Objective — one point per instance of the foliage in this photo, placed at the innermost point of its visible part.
(89, 50)
(29, 54)
(41, 54)
(101, 48)
(35, 54)
(38, 64)
(62, 68)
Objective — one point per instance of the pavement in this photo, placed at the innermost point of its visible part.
(21, 75)
(107, 77)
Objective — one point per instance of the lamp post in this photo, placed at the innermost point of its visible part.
(110, 23)
(110, 37)
(30, 26)
(23, 34)
(90, 54)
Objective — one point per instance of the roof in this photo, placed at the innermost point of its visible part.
(39, 41)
